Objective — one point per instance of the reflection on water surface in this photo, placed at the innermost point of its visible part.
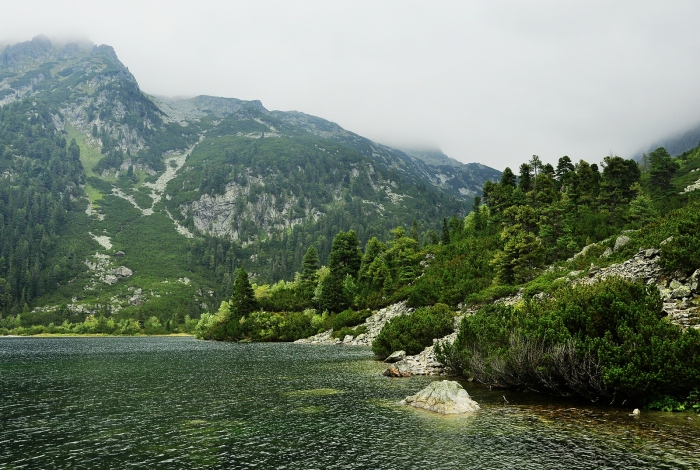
(180, 403)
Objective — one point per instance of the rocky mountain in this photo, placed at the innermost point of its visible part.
(675, 144)
(156, 201)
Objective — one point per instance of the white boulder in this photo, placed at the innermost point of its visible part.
(445, 397)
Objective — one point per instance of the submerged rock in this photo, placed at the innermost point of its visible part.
(396, 356)
(445, 397)
(397, 370)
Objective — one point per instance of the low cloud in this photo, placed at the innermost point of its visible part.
(492, 82)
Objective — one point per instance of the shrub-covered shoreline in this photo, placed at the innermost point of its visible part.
(608, 342)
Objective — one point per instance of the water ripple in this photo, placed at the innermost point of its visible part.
(181, 403)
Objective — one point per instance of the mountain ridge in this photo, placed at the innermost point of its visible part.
(173, 195)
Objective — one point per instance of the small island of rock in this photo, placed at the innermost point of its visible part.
(445, 397)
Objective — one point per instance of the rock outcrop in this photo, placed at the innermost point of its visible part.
(425, 362)
(679, 293)
(373, 325)
(445, 397)
(396, 357)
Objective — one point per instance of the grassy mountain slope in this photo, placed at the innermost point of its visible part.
(170, 196)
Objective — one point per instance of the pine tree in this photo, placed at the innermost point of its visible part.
(344, 260)
(310, 265)
(662, 167)
(445, 232)
(525, 179)
(243, 299)
(508, 178)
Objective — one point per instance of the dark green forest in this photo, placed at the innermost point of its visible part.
(42, 181)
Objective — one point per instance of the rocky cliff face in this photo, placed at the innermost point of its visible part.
(87, 87)
(224, 214)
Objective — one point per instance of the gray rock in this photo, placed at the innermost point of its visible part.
(621, 241)
(396, 357)
(445, 397)
(348, 338)
(122, 271)
(695, 282)
(397, 370)
(583, 252)
(681, 292)
(665, 293)
(373, 326)
(606, 254)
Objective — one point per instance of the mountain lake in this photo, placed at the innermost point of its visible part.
(177, 402)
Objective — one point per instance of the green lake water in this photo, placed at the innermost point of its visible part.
(175, 402)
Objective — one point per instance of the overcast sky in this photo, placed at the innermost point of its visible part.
(485, 81)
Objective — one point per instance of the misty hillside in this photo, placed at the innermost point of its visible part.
(128, 204)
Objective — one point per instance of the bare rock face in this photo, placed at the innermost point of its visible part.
(621, 241)
(445, 397)
(396, 356)
(122, 271)
(373, 325)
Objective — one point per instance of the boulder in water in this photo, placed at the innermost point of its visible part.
(445, 397)
(396, 357)
(397, 370)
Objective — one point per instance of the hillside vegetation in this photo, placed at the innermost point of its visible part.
(133, 210)
(607, 341)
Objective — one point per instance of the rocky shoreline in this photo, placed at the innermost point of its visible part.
(373, 324)
(680, 295)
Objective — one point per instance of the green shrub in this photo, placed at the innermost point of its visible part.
(608, 340)
(490, 294)
(349, 317)
(682, 253)
(413, 332)
(346, 330)
(258, 326)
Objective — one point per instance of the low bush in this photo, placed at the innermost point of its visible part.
(412, 333)
(346, 330)
(258, 326)
(349, 317)
(490, 294)
(608, 340)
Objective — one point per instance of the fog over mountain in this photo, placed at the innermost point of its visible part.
(492, 82)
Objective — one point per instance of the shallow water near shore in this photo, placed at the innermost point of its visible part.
(175, 402)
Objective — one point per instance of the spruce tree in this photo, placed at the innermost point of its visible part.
(344, 260)
(662, 167)
(310, 265)
(525, 179)
(243, 299)
(508, 178)
(445, 232)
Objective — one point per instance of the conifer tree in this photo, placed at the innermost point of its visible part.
(243, 299)
(525, 179)
(344, 260)
(445, 232)
(508, 178)
(662, 167)
(310, 265)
